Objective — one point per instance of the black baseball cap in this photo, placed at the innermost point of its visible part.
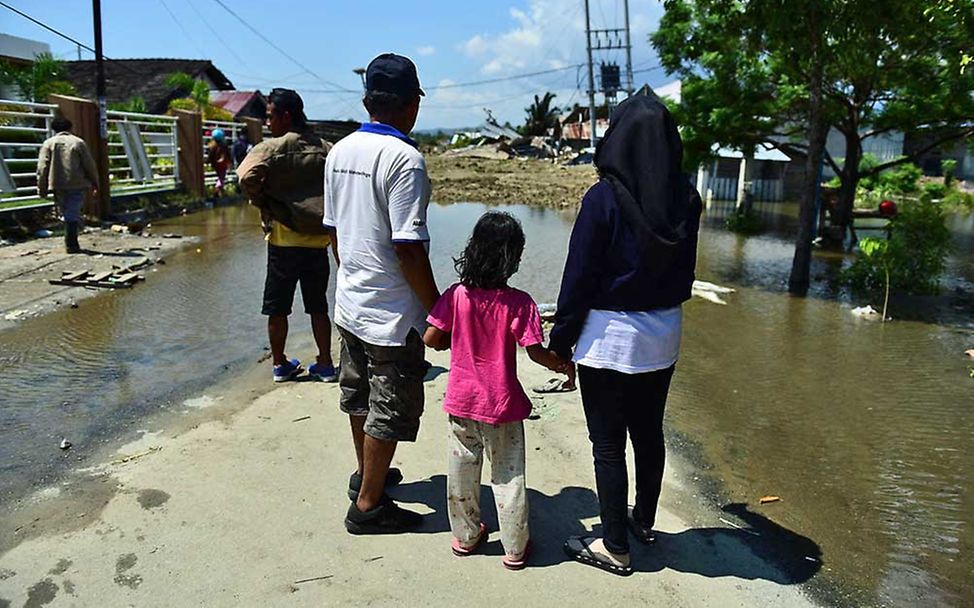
(391, 73)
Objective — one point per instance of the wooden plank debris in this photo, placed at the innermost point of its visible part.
(118, 277)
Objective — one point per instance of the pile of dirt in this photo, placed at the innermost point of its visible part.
(514, 181)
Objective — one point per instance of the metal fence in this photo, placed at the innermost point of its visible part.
(725, 189)
(143, 154)
(230, 131)
(23, 128)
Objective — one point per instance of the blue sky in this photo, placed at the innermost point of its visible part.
(451, 42)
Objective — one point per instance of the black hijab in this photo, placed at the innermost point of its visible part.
(641, 157)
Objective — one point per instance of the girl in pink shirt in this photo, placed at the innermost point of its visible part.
(483, 321)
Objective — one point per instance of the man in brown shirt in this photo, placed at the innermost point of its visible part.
(66, 168)
(283, 177)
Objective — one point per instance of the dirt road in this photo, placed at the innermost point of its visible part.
(247, 509)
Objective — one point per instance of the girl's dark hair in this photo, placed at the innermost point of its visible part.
(493, 253)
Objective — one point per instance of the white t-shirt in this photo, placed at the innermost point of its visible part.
(376, 194)
(630, 342)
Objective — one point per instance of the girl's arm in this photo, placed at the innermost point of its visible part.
(437, 339)
(547, 358)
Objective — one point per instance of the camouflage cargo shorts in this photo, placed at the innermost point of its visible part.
(384, 384)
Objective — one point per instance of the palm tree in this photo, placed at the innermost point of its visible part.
(541, 116)
(38, 80)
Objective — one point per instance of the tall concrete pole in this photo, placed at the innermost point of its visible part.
(101, 154)
(632, 85)
(591, 75)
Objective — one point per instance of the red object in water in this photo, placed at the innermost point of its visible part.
(887, 208)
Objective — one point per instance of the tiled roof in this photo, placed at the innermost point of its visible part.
(233, 101)
(145, 78)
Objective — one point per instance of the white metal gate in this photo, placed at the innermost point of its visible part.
(23, 128)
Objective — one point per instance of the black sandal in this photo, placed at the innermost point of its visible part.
(644, 534)
(579, 549)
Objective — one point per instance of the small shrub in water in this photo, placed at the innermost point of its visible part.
(948, 168)
(935, 190)
(913, 257)
(745, 222)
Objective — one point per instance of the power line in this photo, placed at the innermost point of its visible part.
(65, 36)
(47, 27)
(457, 85)
(279, 49)
(182, 28)
(216, 34)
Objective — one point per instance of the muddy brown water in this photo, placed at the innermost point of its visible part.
(866, 431)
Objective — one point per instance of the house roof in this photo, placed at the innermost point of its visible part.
(333, 130)
(761, 152)
(145, 78)
(235, 101)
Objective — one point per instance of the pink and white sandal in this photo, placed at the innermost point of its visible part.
(461, 551)
(518, 563)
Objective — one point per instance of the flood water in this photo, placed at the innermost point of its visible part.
(864, 430)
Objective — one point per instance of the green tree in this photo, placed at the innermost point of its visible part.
(197, 97)
(781, 72)
(43, 77)
(197, 90)
(541, 116)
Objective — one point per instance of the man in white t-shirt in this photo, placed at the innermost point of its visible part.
(376, 195)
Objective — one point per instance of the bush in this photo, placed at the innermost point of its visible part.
(915, 253)
(902, 178)
(958, 200)
(935, 190)
(745, 222)
(948, 167)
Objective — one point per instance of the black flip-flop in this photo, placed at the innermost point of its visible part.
(644, 534)
(586, 556)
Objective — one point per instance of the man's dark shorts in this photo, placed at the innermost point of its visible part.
(288, 266)
(384, 384)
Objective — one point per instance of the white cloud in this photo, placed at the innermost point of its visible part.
(475, 46)
(426, 51)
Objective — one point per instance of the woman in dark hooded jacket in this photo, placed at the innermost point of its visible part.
(630, 266)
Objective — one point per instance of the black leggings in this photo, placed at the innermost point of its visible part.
(615, 403)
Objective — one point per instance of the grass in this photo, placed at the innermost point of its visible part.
(34, 203)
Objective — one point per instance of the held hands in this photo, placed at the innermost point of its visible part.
(567, 367)
(551, 360)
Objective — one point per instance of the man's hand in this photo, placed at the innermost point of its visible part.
(415, 264)
(436, 338)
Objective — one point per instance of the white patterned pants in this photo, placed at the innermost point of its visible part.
(504, 445)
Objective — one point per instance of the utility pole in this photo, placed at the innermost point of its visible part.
(632, 86)
(104, 194)
(607, 39)
(591, 75)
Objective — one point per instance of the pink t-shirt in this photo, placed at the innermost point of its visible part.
(486, 326)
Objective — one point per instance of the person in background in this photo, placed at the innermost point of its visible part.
(282, 177)
(483, 320)
(218, 156)
(66, 168)
(630, 267)
(240, 147)
(376, 196)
